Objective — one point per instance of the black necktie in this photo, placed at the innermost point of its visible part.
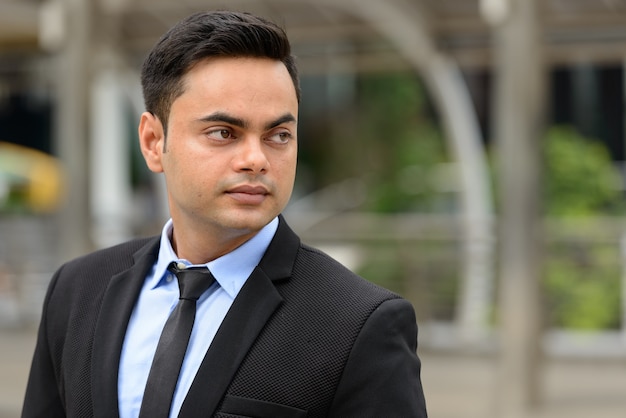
(170, 352)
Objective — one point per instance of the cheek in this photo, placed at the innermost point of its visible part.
(290, 159)
(287, 176)
(286, 167)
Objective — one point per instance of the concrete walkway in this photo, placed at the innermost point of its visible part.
(455, 386)
(465, 387)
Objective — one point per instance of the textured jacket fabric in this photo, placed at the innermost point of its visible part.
(305, 337)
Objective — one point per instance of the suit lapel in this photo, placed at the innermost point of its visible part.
(255, 304)
(117, 306)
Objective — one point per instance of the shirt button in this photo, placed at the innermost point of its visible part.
(169, 278)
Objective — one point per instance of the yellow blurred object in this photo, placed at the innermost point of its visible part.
(38, 174)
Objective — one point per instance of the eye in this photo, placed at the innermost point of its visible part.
(281, 137)
(220, 134)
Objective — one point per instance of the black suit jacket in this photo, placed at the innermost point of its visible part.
(304, 337)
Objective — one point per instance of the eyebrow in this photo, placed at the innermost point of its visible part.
(231, 120)
(286, 118)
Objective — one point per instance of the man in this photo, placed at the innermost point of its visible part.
(283, 330)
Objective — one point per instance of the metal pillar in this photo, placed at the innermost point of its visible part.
(111, 192)
(71, 126)
(519, 123)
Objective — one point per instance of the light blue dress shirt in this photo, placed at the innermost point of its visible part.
(159, 296)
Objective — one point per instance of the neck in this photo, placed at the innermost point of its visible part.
(201, 246)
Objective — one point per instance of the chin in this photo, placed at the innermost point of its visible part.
(249, 223)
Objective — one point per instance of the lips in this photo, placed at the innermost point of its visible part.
(248, 194)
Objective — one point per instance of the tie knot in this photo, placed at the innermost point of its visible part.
(192, 281)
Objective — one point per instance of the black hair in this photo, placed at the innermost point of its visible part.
(204, 35)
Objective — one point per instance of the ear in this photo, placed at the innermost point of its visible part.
(151, 141)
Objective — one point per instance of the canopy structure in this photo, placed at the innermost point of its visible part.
(590, 30)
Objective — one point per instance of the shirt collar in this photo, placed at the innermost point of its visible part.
(230, 270)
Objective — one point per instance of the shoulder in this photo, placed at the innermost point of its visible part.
(92, 272)
(119, 256)
(86, 278)
(312, 260)
(317, 275)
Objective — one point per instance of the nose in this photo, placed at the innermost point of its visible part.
(251, 156)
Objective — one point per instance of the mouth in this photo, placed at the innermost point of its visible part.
(248, 194)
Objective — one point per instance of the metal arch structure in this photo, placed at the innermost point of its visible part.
(403, 24)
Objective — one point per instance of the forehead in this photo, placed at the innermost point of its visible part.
(236, 78)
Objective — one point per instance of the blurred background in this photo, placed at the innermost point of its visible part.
(468, 154)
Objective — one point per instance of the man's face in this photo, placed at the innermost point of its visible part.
(230, 157)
